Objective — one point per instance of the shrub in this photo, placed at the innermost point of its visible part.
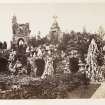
(52, 87)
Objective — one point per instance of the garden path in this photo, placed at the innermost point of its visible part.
(100, 93)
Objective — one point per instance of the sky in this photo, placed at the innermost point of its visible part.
(71, 16)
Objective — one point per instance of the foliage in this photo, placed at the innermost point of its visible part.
(74, 64)
(3, 45)
(94, 72)
(48, 88)
(36, 42)
(80, 42)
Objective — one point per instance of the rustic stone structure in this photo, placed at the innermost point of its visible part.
(21, 32)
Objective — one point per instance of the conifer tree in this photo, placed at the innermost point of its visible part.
(93, 71)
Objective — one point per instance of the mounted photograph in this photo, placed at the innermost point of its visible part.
(52, 51)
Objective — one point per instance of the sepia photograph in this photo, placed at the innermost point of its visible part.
(52, 51)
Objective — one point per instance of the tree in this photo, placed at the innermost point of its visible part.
(84, 30)
(32, 42)
(64, 42)
(5, 45)
(1, 45)
(101, 32)
(93, 71)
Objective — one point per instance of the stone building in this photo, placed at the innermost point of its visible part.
(21, 32)
(55, 35)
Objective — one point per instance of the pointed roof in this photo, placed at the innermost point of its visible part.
(55, 25)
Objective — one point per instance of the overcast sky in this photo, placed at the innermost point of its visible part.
(70, 17)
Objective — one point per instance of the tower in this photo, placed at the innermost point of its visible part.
(21, 32)
(14, 20)
(55, 27)
(55, 33)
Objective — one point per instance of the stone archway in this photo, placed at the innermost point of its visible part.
(73, 64)
(74, 61)
(40, 64)
(20, 40)
(21, 50)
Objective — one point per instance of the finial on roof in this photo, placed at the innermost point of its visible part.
(55, 25)
(55, 18)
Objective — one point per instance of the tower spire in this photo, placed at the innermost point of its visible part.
(55, 18)
(55, 25)
(14, 19)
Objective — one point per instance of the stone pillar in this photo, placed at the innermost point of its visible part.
(66, 68)
(81, 66)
